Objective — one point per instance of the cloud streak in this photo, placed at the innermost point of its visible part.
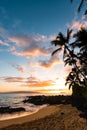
(50, 63)
(14, 79)
(37, 83)
(78, 24)
(32, 82)
(26, 45)
(4, 43)
(20, 68)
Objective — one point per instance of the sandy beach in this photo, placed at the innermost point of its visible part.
(46, 111)
(55, 117)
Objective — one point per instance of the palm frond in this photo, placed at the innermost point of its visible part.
(71, 1)
(80, 5)
(66, 61)
(57, 42)
(61, 37)
(54, 42)
(56, 51)
(69, 34)
(85, 12)
(70, 85)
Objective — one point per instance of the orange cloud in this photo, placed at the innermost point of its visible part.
(45, 83)
(34, 52)
(25, 40)
(78, 24)
(48, 64)
(26, 45)
(31, 82)
(14, 79)
(30, 45)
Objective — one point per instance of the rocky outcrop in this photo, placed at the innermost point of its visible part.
(10, 110)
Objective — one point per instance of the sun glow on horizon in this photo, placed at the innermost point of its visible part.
(56, 88)
(60, 88)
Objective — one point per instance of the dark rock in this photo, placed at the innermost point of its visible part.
(40, 100)
(10, 110)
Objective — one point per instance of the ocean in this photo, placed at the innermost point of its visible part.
(14, 100)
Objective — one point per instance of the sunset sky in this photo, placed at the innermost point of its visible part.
(27, 28)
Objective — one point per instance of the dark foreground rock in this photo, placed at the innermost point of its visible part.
(10, 110)
(76, 101)
(40, 100)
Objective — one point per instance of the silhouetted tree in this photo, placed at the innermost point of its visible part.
(74, 55)
(81, 44)
(63, 43)
(76, 59)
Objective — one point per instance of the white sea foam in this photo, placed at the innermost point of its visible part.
(15, 101)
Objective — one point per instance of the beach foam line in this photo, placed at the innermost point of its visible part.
(8, 116)
(46, 111)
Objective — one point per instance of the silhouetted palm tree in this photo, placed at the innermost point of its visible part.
(77, 60)
(68, 56)
(63, 43)
(78, 75)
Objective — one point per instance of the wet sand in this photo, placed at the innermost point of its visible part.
(40, 114)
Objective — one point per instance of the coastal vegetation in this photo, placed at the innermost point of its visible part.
(74, 50)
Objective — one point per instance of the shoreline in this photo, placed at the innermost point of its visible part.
(52, 117)
(15, 115)
(41, 113)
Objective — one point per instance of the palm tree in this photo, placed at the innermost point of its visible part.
(78, 75)
(81, 4)
(73, 81)
(68, 56)
(77, 78)
(63, 43)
